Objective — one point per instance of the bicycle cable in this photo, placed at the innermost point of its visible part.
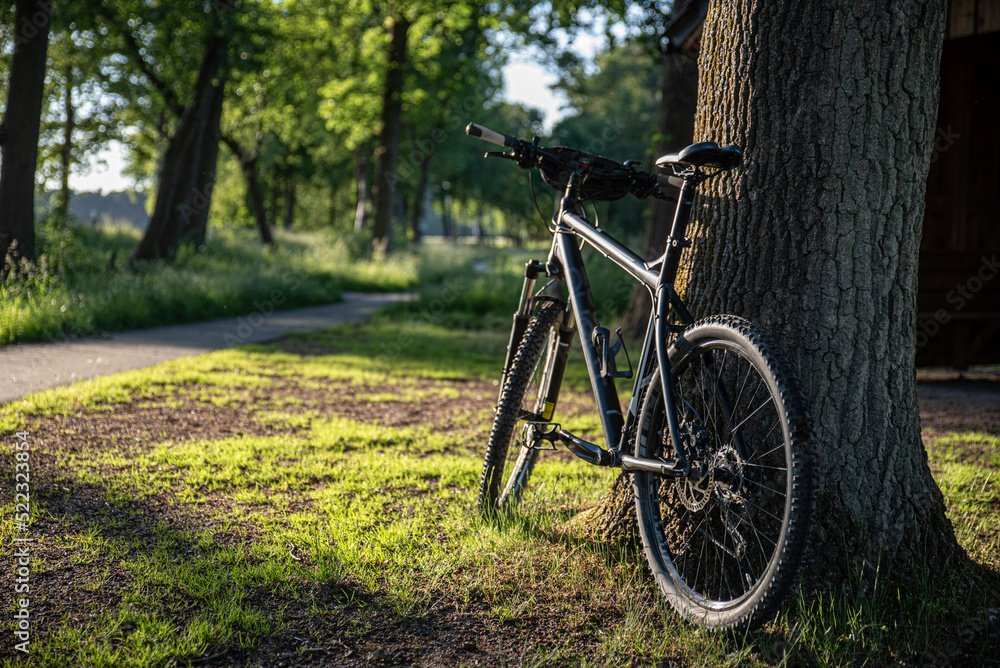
(534, 199)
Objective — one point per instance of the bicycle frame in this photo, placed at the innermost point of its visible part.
(565, 262)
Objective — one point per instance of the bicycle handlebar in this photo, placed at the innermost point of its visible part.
(492, 136)
(613, 179)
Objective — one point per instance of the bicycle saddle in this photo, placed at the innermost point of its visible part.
(702, 154)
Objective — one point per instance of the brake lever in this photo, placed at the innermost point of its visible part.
(500, 154)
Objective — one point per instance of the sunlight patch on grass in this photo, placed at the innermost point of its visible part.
(362, 520)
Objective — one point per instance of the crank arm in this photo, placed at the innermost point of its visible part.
(670, 468)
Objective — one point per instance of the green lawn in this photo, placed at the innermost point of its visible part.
(311, 502)
(79, 286)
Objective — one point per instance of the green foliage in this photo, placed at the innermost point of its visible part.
(70, 289)
(616, 115)
(304, 86)
(486, 297)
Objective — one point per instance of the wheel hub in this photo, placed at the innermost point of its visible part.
(727, 470)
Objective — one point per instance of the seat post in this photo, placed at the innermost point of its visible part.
(676, 242)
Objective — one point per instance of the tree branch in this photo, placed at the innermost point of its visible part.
(150, 73)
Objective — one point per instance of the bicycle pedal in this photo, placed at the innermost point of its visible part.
(543, 431)
(540, 448)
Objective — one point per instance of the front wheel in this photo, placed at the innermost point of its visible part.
(511, 453)
(726, 543)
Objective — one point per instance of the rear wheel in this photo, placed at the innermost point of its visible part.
(510, 452)
(726, 543)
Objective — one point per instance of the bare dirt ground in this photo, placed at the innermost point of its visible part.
(352, 627)
(953, 402)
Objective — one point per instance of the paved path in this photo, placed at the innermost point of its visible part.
(31, 367)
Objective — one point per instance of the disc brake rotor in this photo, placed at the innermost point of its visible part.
(694, 494)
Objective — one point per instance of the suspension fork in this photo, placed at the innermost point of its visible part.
(555, 365)
(522, 315)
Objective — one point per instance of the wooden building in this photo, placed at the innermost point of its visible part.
(958, 297)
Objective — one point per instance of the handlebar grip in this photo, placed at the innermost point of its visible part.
(492, 136)
(670, 181)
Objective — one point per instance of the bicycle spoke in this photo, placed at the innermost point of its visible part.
(769, 401)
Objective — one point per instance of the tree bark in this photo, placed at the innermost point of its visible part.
(386, 154)
(289, 197)
(66, 152)
(189, 157)
(248, 166)
(22, 120)
(196, 219)
(678, 103)
(816, 239)
(360, 174)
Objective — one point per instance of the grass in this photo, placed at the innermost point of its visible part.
(73, 289)
(330, 520)
(311, 501)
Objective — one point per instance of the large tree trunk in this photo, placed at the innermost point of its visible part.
(816, 239)
(189, 156)
(196, 219)
(678, 102)
(19, 133)
(388, 147)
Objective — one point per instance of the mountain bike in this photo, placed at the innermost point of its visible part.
(716, 435)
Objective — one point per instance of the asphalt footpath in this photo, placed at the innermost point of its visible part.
(30, 367)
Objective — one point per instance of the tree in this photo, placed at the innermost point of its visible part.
(178, 102)
(388, 143)
(678, 98)
(816, 239)
(449, 68)
(187, 173)
(835, 179)
(81, 117)
(19, 132)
